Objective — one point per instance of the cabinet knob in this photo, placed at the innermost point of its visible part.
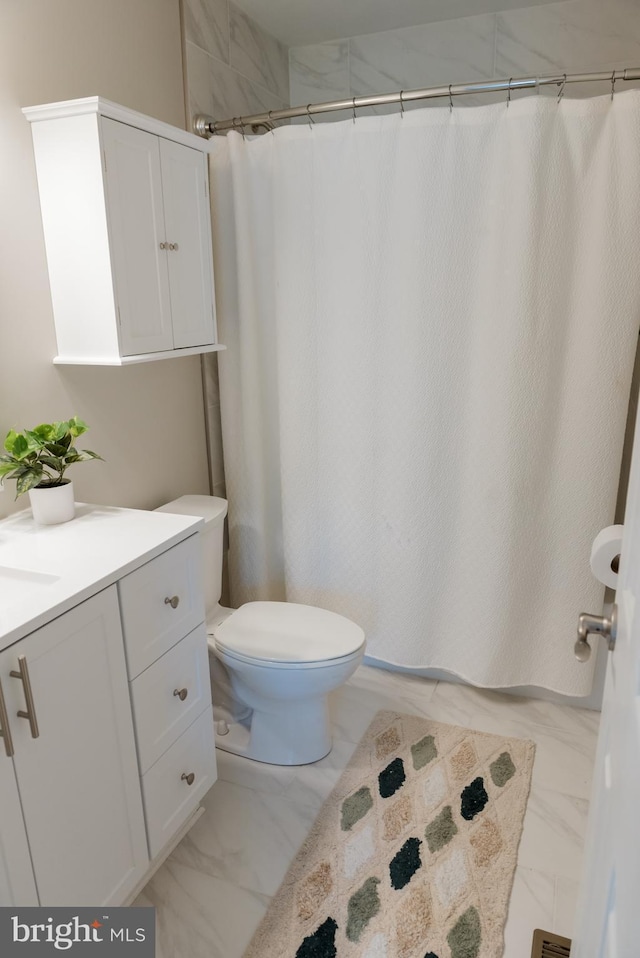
(173, 601)
(173, 246)
(164, 246)
(181, 693)
(189, 779)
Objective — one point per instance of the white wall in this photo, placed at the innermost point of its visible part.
(147, 420)
(568, 37)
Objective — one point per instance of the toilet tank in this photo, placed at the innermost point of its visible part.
(213, 510)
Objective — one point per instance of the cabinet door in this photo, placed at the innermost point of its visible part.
(17, 886)
(78, 780)
(188, 229)
(136, 232)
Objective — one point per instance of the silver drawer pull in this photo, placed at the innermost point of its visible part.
(173, 246)
(164, 245)
(30, 714)
(189, 779)
(5, 731)
(181, 693)
(173, 601)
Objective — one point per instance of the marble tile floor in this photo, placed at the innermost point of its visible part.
(212, 891)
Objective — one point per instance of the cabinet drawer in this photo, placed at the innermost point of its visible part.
(169, 695)
(150, 622)
(168, 798)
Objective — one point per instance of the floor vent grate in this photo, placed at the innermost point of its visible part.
(548, 945)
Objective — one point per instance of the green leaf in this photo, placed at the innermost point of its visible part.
(6, 468)
(91, 455)
(77, 426)
(10, 439)
(28, 481)
(52, 462)
(56, 449)
(20, 446)
(43, 432)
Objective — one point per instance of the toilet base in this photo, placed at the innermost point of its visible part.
(297, 737)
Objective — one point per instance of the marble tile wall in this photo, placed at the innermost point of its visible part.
(569, 36)
(233, 68)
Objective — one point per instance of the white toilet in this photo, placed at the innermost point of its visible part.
(275, 662)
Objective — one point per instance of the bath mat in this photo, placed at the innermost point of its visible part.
(412, 854)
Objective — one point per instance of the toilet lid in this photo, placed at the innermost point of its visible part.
(287, 632)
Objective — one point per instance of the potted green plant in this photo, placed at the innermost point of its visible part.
(38, 459)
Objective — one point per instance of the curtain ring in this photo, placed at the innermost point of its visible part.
(309, 117)
(509, 91)
(270, 121)
(562, 86)
(401, 105)
(613, 83)
(450, 100)
(353, 105)
(537, 86)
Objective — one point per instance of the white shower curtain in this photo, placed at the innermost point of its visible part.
(430, 323)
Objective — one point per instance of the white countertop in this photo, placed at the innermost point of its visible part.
(46, 570)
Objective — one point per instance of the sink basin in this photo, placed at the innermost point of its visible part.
(19, 584)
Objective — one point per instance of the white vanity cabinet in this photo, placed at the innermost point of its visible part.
(107, 744)
(166, 644)
(66, 692)
(125, 211)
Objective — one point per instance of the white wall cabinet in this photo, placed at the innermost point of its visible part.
(125, 211)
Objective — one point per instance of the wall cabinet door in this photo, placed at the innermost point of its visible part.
(137, 238)
(160, 240)
(189, 255)
(17, 885)
(78, 780)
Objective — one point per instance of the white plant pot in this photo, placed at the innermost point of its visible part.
(53, 504)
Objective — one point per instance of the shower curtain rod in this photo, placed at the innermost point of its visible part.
(207, 126)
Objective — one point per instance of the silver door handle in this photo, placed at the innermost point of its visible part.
(5, 731)
(595, 625)
(30, 714)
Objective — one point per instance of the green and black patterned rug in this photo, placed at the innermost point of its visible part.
(412, 854)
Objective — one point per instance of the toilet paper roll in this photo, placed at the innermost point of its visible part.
(605, 551)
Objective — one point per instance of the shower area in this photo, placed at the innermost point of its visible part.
(431, 312)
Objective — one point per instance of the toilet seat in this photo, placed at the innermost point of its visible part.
(287, 635)
(263, 663)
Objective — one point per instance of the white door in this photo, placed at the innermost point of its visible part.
(78, 780)
(608, 923)
(188, 228)
(17, 886)
(137, 238)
